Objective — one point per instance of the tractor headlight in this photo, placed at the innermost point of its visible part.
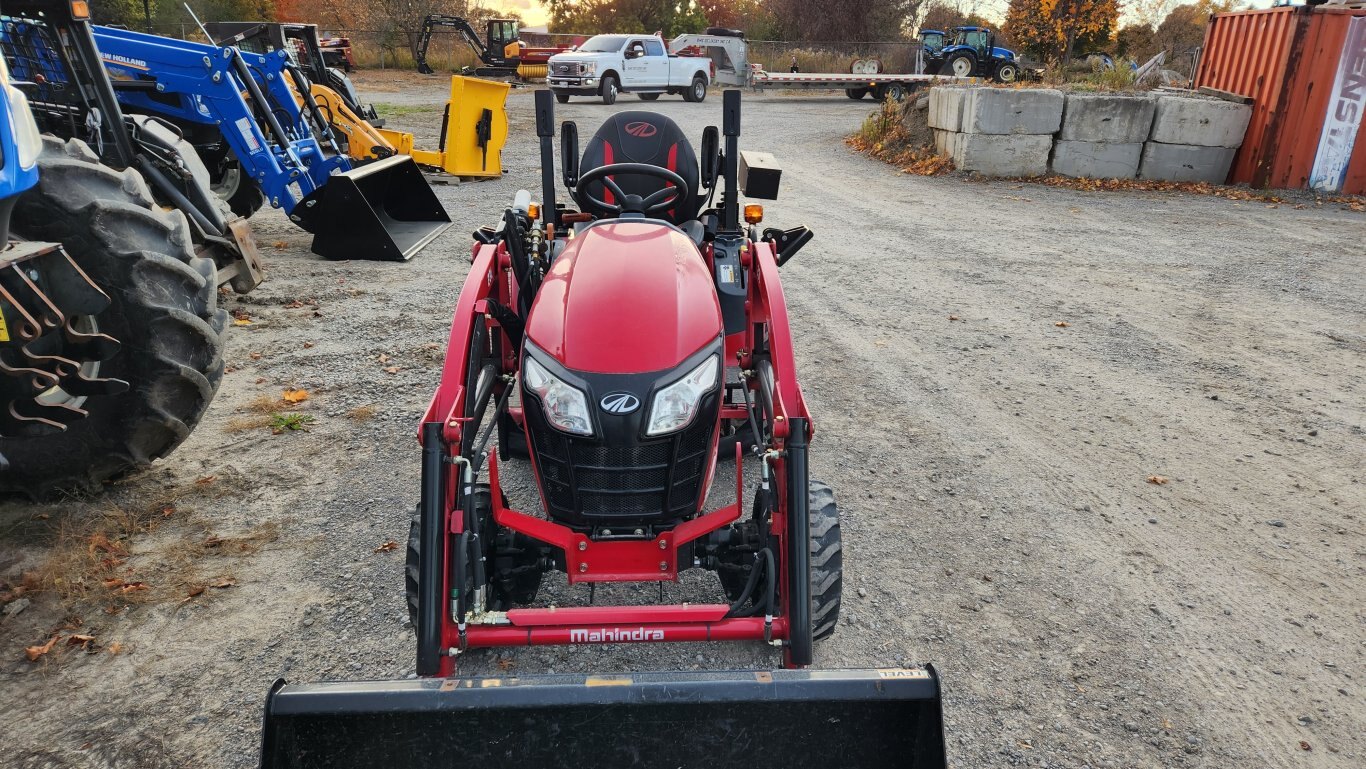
(566, 406)
(22, 124)
(675, 406)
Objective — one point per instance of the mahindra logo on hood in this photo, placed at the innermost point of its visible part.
(619, 403)
(641, 129)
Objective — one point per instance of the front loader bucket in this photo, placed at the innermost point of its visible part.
(861, 719)
(383, 210)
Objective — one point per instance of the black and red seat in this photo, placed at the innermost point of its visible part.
(641, 137)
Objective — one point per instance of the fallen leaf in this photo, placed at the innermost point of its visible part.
(168, 511)
(295, 396)
(256, 356)
(1306, 746)
(1062, 324)
(241, 321)
(391, 369)
(115, 648)
(953, 318)
(506, 664)
(260, 380)
(133, 587)
(113, 582)
(100, 543)
(34, 652)
(387, 547)
(308, 345)
(1157, 479)
(205, 480)
(196, 591)
(1166, 723)
(383, 358)
(213, 540)
(83, 641)
(225, 582)
(280, 245)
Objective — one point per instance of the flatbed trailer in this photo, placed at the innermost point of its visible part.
(730, 56)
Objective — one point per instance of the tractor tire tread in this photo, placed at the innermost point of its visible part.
(827, 560)
(163, 310)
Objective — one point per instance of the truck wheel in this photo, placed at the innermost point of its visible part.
(242, 193)
(648, 96)
(163, 311)
(562, 98)
(856, 93)
(961, 64)
(609, 89)
(1007, 73)
(697, 91)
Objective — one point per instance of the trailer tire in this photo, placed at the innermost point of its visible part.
(827, 561)
(562, 98)
(609, 89)
(697, 90)
(894, 91)
(856, 93)
(163, 310)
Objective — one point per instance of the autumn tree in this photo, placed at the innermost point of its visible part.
(1184, 28)
(1055, 29)
(1136, 41)
(844, 20)
(670, 17)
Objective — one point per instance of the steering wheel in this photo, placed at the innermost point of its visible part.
(660, 200)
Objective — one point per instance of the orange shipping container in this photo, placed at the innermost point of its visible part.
(1305, 69)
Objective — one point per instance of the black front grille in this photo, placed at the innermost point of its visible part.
(585, 482)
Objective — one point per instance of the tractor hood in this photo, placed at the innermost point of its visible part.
(626, 297)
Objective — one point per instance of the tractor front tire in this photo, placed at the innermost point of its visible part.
(827, 561)
(242, 194)
(163, 310)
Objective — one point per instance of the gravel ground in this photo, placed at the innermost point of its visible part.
(992, 466)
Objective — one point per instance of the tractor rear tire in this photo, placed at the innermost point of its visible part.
(163, 310)
(827, 561)
(960, 64)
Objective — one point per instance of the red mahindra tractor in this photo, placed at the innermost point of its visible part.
(625, 347)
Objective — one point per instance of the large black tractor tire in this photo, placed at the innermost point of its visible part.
(163, 311)
(242, 194)
(827, 561)
(961, 64)
(609, 89)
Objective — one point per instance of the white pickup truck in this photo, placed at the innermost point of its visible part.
(606, 65)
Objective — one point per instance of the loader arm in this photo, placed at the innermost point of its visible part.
(363, 140)
(247, 95)
(463, 28)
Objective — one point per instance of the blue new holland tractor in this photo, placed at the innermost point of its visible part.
(972, 52)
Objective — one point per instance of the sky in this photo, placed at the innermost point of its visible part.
(534, 14)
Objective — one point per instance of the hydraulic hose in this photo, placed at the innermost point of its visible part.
(734, 610)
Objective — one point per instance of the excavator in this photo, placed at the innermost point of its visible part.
(502, 51)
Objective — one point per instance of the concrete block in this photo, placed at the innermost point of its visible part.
(1012, 111)
(1097, 160)
(1001, 154)
(1107, 118)
(1200, 122)
(946, 107)
(1185, 162)
(945, 142)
